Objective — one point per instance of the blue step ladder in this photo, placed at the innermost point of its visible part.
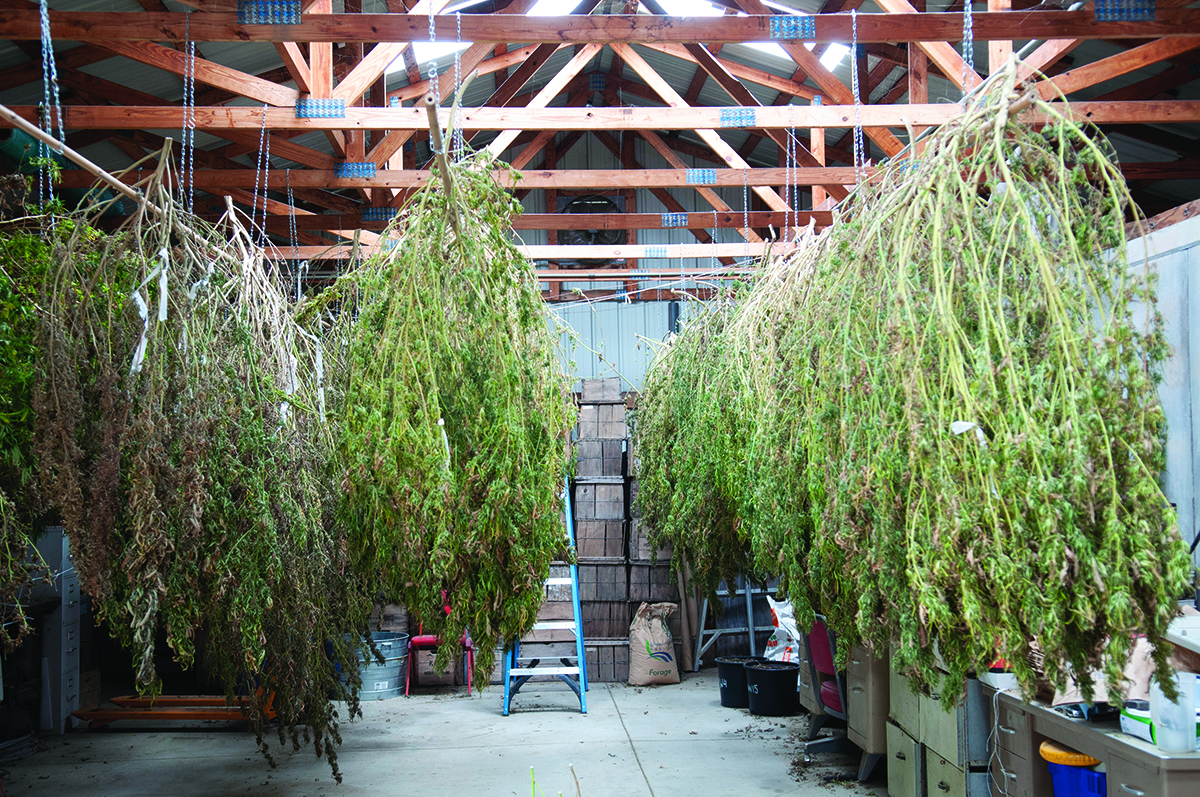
(571, 670)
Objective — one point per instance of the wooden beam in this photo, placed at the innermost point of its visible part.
(999, 51)
(530, 179)
(573, 221)
(318, 26)
(940, 52)
(669, 252)
(1183, 71)
(1116, 65)
(368, 70)
(770, 117)
(548, 93)
(320, 53)
(207, 72)
(1189, 210)
(707, 194)
(794, 87)
(296, 63)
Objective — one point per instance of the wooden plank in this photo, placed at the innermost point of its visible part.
(999, 51)
(530, 179)
(207, 72)
(105, 26)
(1183, 71)
(1168, 218)
(1116, 65)
(90, 117)
(320, 53)
(759, 77)
(668, 253)
(368, 70)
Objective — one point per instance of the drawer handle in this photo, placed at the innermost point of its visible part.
(855, 661)
(935, 697)
(1010, 775)
(1004, 729)
(942, 786)
(857, 689)
(1131, 790)
(901, 757)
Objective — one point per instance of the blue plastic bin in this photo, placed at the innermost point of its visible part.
(1072, 781)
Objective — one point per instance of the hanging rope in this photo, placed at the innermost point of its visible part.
(187, 184)
(51, 108)
(968, 46)
(859, 147)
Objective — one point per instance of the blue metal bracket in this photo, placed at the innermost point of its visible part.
(379, 214)
(393, 102)
(738, 117)
(352, 169)
(793, 27)
(702, 176)
(596, 81)
(320, 109)
(656, 251)
(268, 12)
(674, 219)
(1125, 10)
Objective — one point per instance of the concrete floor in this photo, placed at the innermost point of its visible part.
(654, 741)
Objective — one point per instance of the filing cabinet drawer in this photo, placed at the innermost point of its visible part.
(1009, 775)
(903, 708)
(1012, 727)
(939, 729)
(903, 763)
(942, 778)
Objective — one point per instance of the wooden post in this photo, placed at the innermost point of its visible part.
(816, 143)
(998, 51)
(918, 86)
(550, 161)
(320, 57)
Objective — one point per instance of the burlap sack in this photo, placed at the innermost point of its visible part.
(651, 649)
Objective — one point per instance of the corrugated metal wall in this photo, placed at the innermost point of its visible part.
(611, 338)
(1175, 252)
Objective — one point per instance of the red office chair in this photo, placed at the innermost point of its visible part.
(423, 641)
(830, 689)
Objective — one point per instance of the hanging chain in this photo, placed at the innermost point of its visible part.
(716, 228)
(859, 147)
(187, 184)
(791, 218)
(746, 208)
(968, 45)
(457, 136)
(260, 168)
(51, 108)
(433, 74)
(292, 220)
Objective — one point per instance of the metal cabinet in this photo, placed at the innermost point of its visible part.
(867, 689)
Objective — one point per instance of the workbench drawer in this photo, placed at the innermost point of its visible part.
(1012, 727)
(1009, 775)
(942, 778)
(1128, 779)
(903, 763)
(903, 708)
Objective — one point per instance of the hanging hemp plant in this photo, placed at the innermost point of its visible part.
(179, 433)
(456, 417)
(956, 437)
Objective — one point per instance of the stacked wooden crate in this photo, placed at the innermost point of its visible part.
(601, 513)
(650, 578)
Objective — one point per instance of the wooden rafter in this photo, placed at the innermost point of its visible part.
(105, 26)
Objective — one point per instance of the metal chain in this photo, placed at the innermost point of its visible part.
(716, 228)
(292, 222)
(457, 136)
(260, 169)
(791, 218)
(746, 208)
(859, 147)
(433, 75)
(968, 45)
(51, 107)
(187, 184)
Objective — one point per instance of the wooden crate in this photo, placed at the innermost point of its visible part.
(599, 501)
(600, 538)
(392, 617)
(640, 549)
(603, 580)
(589, 422)
(559, 592)
(599, 459)
(605, 619)
(651, 583)
(606, 389)
(607, 660)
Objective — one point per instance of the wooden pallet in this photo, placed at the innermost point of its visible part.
(169, 707)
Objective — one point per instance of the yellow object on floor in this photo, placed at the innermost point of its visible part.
(1057, 754)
